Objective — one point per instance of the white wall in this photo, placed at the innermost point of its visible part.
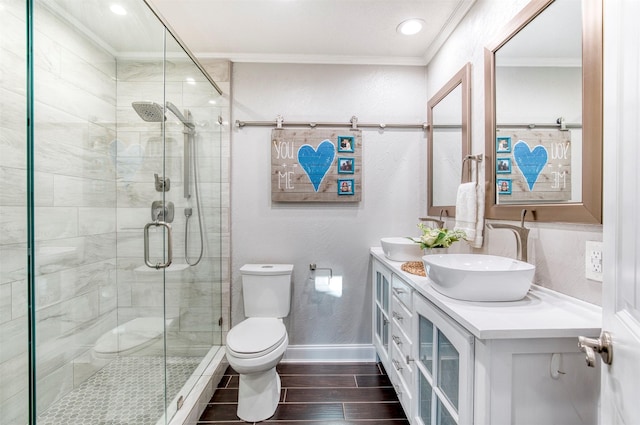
(338, 236)
(557, 250)
(330, 235)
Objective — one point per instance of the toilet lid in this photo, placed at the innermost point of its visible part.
(256, 336)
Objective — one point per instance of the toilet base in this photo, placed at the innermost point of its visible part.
(258, 395)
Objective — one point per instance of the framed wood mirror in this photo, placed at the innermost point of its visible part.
(448, 142)
(543, 106)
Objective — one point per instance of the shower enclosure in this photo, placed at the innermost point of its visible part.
(113, 215)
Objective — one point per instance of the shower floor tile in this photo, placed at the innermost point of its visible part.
(129, 390)
(318, 394)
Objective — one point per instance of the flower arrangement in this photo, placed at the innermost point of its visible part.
(438, 238)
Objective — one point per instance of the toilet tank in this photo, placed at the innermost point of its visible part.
(266, 289)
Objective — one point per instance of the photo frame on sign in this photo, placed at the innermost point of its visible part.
(503, 144)
(503, 165)
(346, 187)
(503, 186)
(346, 143)
(346, 166)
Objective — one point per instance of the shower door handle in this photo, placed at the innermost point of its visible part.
(166, 264)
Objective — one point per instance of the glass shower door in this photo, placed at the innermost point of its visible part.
(124, 138)
(14, 314)
(193, 302)
(100, 331)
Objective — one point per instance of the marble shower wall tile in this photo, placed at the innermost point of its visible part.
(71, 148)
(14, 333)
(96, 220)
(12, 129)
(14, 258)
(75, 190)
(83, 192)
(13, 372)
(14, 409)
(5, 302)
(83, 168)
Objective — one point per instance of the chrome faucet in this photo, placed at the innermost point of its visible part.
(522, 235)
(439, 223)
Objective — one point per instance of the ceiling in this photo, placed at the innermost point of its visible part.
(312, 31)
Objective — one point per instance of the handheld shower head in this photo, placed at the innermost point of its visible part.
(149, 111)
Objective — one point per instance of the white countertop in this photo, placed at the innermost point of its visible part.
(543, 313)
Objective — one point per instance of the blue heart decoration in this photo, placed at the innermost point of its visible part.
(317, 162)
(530, 162)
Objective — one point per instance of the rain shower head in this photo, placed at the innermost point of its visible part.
(153, 112)
(149, 111)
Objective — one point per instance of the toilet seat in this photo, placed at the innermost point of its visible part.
(255, 337)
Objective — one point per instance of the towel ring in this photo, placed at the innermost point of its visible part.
(478, 159)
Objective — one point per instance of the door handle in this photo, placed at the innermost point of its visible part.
(169, 245)
(591, 346)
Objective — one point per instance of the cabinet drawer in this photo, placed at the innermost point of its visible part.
(402, 290)
(401, 368)
(402, 342)
(402, 317)
(403, 392)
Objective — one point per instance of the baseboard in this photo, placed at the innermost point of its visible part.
(350, 353)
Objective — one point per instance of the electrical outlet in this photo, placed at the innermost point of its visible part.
(593, 261)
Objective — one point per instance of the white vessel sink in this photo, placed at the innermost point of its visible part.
(401, 249)
(477, 277)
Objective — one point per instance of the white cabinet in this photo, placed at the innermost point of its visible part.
(381, 322)
(534, 381)
(393, 324)
(454, 362)
(402, 365)
(444, 368)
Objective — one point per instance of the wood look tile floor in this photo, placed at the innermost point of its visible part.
(314, 394)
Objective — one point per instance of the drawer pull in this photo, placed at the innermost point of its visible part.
(396, 339)
(396, 364)
(397, 316)
(398, 290)
(409, 359)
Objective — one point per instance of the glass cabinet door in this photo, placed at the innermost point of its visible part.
(445, 368)
(381, 305)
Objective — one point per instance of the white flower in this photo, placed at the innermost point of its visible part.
(429, 237)
(438, 238)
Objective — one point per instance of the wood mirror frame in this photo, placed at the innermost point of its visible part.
(463, 79)
(589, 209)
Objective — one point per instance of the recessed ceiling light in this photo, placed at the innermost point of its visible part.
(410, 26)
(118, 10)
(190, 80)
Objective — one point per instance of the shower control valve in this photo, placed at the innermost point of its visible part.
(161, 211)
(163, 184)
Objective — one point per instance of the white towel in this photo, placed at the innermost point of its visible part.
(466, 208)
(479, 238)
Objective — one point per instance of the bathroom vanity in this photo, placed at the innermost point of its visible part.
(460, 362)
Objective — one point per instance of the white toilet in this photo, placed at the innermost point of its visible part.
(257, 344)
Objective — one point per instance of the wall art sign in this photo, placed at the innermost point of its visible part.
(533, 165)
(309, 165)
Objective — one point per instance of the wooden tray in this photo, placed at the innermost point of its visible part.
(414, 267)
